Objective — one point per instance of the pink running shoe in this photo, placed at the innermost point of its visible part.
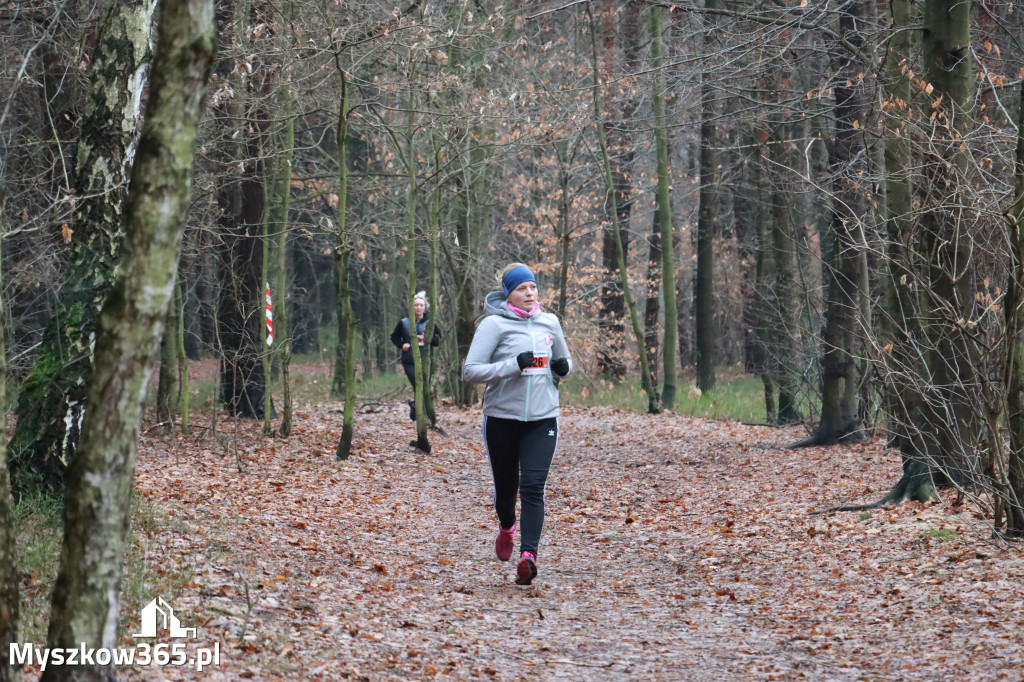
(526, 570)
(505, 542)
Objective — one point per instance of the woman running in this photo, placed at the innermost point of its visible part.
(402, 338)
(520, 353)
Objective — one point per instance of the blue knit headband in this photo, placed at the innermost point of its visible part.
(516, 276)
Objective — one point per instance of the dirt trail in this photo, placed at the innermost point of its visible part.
(674, 549)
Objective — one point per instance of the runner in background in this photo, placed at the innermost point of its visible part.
(402, 338)
(520, 353)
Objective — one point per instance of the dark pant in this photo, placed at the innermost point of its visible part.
(520, 454)
(410, 371)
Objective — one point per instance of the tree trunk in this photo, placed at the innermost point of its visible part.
(1014, 500)
(433, 232)
(166, 383)
(707, 227)
(950, 418)
(841, 345)
(280, 224)
(753, 234)
(182, 357)
(9, 578)
(52, 396)
(241, 203)
(466, 313)
(653, 406)
(782, 290)
(900, 359)
(652, 301)
(470, 215)
(262, 13)
(762, 363)
(266, 310)
(563, 233)
(664, 217)
(412, 168)
(619, 142)
(199, 292)
(345, 375)
(86, 602)
(240, 311)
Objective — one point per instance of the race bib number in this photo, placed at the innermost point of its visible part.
(540, 364)
(419, 337)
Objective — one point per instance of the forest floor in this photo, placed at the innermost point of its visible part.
(674, 549)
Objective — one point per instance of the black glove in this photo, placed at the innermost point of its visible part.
(560, 366)
(525, 359)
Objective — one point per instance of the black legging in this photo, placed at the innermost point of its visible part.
(521, 454)
(410, 371)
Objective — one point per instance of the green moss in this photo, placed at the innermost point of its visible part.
(940, 533)
(45, 368)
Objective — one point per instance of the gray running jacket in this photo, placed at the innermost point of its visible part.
(526, 395)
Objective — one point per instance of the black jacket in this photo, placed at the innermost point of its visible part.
(401, 336)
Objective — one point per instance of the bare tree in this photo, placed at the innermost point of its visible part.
(663, 220)
(86, 600)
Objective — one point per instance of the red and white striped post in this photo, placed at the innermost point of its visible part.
(270, 318)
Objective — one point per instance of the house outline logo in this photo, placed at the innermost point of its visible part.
(158, 611)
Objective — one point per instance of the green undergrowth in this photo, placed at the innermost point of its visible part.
(737, 396)
(144, 579)
(317, 388)
(307, 385)
(39, 524)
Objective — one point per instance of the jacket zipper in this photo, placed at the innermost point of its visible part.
(529, 377)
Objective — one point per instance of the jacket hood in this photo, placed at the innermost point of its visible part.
(495, 303)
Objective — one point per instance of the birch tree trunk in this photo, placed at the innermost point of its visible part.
(86, 598)
(51, 399)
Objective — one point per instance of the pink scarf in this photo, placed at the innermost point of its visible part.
(523, 313)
